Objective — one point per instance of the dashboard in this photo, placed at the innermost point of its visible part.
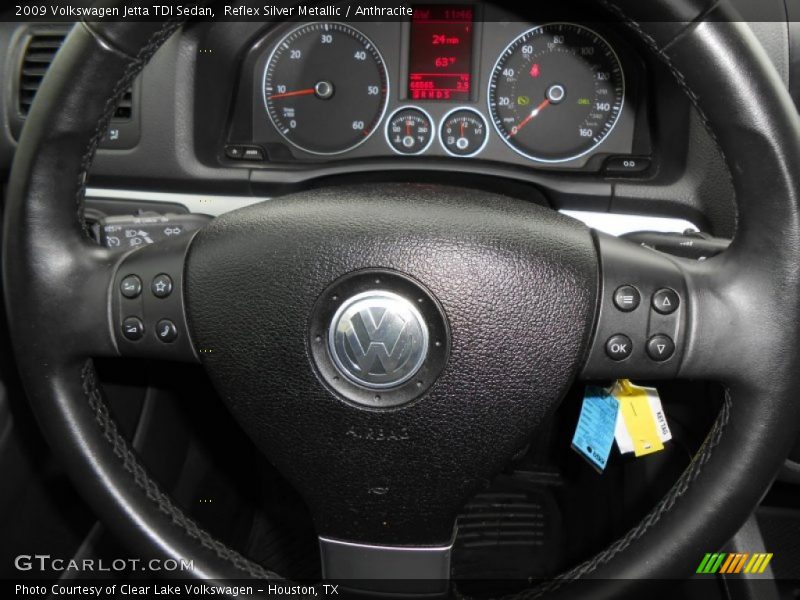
(457, 85)
(461, 82)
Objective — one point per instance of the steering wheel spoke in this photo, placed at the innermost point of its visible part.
(642, 324)
(663, 317)
(412, 570)
(147, 306)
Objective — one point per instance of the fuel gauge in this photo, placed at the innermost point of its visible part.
(409, 131)
(464, 132)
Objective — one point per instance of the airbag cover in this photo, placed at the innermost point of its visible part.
(517, 283)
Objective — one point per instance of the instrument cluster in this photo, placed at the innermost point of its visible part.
(455, 81)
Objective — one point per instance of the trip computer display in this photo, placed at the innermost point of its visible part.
(440, 55)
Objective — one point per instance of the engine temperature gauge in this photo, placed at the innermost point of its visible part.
(409, 131)
(464, 132)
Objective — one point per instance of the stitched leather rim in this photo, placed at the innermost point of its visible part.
(130, 462)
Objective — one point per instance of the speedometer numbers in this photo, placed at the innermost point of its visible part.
(556, 92)
(325, 88)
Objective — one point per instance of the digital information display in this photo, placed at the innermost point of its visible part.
(440, 57)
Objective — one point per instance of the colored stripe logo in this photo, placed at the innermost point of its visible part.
(732, 562)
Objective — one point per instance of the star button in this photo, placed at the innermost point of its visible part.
(161, 285)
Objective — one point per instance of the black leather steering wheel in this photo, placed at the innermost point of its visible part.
(255, 290)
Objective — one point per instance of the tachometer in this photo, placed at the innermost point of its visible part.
(556, 92)
(325, 88)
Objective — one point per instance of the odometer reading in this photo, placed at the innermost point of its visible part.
(325, 88)
(556, 92)
(440, 52)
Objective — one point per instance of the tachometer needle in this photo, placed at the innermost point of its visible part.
(534, 113)
(305, 92)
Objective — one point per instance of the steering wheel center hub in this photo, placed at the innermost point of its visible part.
(378, 338)
(372, 338)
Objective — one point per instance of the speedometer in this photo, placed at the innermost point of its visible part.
(556, 92)
(325, 88)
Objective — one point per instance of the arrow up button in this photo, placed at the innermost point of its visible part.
(666, 301)
(660, 347)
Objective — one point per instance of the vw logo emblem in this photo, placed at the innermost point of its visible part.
(378, 339)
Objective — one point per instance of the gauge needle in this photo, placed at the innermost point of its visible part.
(534, 113)
(305, 92)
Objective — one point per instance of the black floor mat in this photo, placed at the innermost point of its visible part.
(507, 535)
(780, 528)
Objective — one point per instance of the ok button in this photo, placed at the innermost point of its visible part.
(619, 347)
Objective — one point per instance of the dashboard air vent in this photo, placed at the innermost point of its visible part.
(39, 53)
(124, 110)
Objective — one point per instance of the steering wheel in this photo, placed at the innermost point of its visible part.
(389, 347)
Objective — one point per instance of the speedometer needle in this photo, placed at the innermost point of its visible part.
(305, 92)
(534, 113)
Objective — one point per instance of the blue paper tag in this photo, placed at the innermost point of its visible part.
(594, 434)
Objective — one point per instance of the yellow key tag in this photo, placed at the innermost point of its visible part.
(635, 409)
